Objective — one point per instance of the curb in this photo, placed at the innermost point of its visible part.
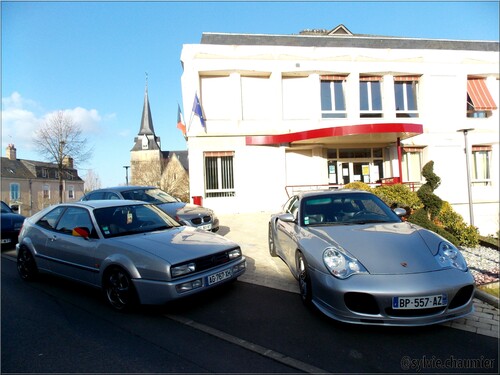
(486, 297)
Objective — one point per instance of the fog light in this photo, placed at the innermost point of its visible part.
(190, 285)
(239, 267)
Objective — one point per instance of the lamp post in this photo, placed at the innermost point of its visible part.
(467, 163)
(126, 173)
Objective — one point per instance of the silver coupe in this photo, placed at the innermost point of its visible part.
(133, 251)
(358, 262)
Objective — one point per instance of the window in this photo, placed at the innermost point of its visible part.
(49, 221)
(257, 97)
(45, 172)
(296, 94)
(333, 97)
(15, 192)
(412, 164)
(71, 192)
(481, 156)
(370, 96)
(480, 103)
(46, 192)
(219, 178)
(405, 95)
(72, 218)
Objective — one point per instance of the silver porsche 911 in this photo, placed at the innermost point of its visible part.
(358, 262)
(133, 251)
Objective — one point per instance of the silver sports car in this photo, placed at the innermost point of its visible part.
(133, 251)
(358, 262)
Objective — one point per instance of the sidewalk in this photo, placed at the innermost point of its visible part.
(250, 231)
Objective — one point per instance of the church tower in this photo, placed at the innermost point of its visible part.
(146, 155)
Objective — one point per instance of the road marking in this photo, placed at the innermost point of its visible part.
(279, 357)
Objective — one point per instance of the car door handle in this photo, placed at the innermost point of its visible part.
(53, 238)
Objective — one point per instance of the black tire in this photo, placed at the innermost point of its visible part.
(119, 290)
(26, 265)
(270, 240)
(304, 280)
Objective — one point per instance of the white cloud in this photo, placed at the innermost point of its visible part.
(20, 122)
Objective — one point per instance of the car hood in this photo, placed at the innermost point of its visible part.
(391, 248)
(183, 209)
(178, 245)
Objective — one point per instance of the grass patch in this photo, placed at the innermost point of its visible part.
(489, 241)
(492, 289)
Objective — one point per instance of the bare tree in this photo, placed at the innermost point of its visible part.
(92, 181)
(59, 140)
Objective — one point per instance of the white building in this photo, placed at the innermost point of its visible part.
(288, 112)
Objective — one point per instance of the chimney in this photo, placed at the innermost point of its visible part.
(68, 162)
(11, 152)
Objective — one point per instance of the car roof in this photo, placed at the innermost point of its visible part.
(310, 193)
(103, 203)
(124, 188)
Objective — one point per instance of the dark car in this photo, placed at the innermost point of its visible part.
(187, 214)
(11, 225)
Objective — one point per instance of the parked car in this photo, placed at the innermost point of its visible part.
(187, 214)
(132, 250)
(358, 262)
(11, 225)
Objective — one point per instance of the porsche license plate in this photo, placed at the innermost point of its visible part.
(425, 302)
(219, 276)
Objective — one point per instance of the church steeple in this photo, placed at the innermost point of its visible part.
(146, 139)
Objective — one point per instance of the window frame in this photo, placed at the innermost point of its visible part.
(410, 86)
(371, 99)
(14, 187)
(336, 91)
(219, 175)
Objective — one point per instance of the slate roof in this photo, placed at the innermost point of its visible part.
(23, 169)
(147, 128)
(181, 155)
(343, 39)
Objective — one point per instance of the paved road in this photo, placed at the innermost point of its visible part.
(57, 326)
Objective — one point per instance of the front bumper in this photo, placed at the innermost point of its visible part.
(151, 292)
(367, 299)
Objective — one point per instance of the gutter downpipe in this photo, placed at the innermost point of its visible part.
(400, 167)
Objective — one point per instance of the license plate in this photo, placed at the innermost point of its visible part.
(219, 276)
(206, 227)
(5, 240)
(425, 302)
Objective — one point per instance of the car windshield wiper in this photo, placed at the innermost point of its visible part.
(368, 221)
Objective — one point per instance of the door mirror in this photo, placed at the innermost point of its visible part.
(288, 218)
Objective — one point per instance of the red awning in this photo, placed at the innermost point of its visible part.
(383, 132)
(480, 95)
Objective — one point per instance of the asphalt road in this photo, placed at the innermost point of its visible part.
(57, 326)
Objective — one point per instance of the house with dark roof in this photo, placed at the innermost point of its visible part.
(31, 185)
(149, 165)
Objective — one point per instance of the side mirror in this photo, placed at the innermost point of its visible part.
(81, 232)
(288, 217)
(400, 211)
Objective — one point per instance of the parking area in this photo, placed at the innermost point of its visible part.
(250, 230)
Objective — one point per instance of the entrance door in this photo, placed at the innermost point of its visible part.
(357, 171)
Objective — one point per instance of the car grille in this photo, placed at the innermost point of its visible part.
(208, 262)
(462, 297)
(200, 220)
(362, 303)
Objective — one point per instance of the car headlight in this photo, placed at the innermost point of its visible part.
(449, 256)
(235, 253)
(340, 264)
(183, 269)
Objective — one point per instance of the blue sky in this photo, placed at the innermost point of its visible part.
(90, 58)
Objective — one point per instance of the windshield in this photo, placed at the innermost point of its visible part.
(345, 209)
(132, 219)
(155, 196)
(5, 208)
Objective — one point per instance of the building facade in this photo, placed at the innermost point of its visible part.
(325, 108)
(30, 185)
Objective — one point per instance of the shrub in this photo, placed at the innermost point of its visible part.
(399, 194)
(455, 224)
(432, 203)
(358, 185)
